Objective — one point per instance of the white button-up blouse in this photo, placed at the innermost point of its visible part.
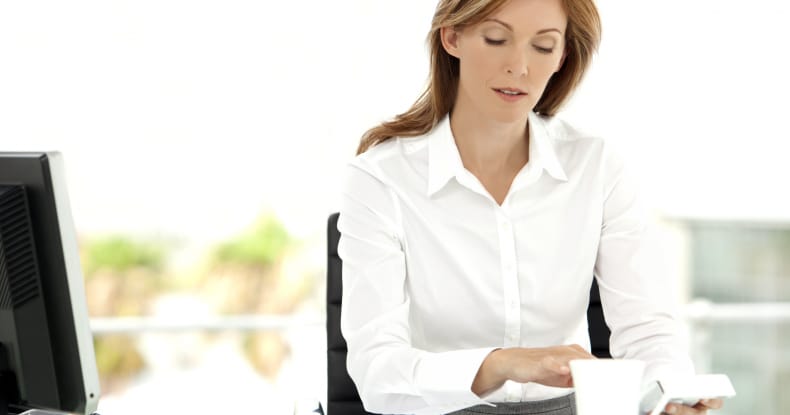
(436, 274)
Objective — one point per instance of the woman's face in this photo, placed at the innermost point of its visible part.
(507, 59)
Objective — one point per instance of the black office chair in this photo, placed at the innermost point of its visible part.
(342, 395)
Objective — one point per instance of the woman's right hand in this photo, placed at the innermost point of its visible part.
(547, 366)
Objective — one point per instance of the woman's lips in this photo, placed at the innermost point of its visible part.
(510, 94)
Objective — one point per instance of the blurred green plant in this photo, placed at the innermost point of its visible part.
(121, 276)
(260, 247)
(117, 359)
(119, 254)
(247, 276)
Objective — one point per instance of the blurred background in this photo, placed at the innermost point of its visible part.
(204, 142)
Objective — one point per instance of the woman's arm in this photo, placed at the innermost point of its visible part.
(390, 374)
(637, 304)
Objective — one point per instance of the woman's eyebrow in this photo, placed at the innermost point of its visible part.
(540, 32)
(509, 27)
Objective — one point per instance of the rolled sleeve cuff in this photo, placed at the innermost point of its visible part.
(445, 379)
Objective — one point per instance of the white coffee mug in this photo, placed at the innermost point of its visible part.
(607, 386)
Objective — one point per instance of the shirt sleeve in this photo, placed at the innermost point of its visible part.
(638, 308)
(392, 376)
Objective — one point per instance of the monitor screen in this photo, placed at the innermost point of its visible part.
(46, 346)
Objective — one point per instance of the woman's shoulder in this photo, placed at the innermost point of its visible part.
(381, 151)
(382, 171)
(393, 152)
(574, 139)
(560, 128)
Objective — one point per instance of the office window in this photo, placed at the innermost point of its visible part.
(745, 263)
(741, 262)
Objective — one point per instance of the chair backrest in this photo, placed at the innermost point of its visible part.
(342, 395)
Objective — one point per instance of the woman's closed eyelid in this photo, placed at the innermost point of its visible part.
(493, 41)
(548, 46)
(496, 33)
(500, 42)
(500, 37)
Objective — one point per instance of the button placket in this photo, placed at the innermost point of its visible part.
(509, 282)
(511, 299)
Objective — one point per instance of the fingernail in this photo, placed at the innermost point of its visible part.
(671, 409)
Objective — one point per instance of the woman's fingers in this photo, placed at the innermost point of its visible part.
(677, 409)
(560, 363)
(548, 366)
(554, 365)
(561, 366)
(700, 408)
(711, 403)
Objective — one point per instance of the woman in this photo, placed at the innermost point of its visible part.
(472, 224)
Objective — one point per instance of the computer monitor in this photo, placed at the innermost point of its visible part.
(46, 347)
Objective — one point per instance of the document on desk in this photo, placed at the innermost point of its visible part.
(685, 390)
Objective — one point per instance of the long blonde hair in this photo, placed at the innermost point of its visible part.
(582, 37)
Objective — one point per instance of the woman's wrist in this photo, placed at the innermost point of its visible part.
(500, 364)
(492, 373)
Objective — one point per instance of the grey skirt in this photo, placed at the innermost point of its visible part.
(564, 405)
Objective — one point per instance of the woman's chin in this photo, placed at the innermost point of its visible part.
(510, 116)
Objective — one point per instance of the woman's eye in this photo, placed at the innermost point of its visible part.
(544, 50)
(495, 42)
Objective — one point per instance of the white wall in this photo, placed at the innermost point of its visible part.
(188, 118)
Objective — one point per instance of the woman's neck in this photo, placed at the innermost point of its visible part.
(488, 146)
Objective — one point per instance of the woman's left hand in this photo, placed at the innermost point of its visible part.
(700, 408)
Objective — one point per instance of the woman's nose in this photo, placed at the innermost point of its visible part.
(517, 64)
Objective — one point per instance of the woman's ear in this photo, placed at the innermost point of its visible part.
(449, 37)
